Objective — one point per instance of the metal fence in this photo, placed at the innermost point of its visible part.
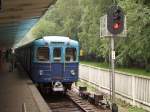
(134, 89)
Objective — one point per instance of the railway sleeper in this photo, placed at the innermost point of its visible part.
(83, 104)
(96, 99)
(84, 94)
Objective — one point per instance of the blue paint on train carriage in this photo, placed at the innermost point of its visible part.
(51, 59)
(57, 72)
(41, 72)
(71, 72)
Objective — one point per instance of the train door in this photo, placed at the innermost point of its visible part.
(57, 65)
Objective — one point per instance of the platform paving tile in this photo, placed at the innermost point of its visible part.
(14, 92)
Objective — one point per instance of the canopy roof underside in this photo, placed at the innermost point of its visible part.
(18, 16)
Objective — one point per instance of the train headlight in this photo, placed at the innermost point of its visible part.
(41, 72)
(72, 72)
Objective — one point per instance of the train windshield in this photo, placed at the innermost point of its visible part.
(42, 54)
(57, 54)
(71, 54)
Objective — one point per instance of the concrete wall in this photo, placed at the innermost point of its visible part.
(133, 89)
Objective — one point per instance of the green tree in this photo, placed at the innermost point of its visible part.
(79, 19)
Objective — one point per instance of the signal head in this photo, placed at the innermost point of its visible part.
(115, 20)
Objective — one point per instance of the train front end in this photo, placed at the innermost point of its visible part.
(62, 62)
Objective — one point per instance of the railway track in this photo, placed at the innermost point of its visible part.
(84, 104)
(70, 102)
(61, 103)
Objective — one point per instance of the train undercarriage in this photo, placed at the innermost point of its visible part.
(54, 87)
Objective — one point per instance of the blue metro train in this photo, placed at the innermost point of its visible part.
(51, 61)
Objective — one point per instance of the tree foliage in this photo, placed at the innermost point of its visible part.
(79, 19)
(134, 50)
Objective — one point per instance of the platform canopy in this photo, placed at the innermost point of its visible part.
(18, 16)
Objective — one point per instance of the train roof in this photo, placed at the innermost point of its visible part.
(56, 38)
(51, 39)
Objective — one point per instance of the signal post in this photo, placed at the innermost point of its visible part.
(113, 25)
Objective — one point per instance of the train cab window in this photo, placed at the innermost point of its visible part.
(70, 54)
(57, 54)
(42, 54)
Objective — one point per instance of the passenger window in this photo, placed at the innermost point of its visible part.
(42, 54)
(70, 54)
(57, 54)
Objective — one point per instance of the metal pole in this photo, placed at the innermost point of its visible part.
(114, 105)
(110, 70)
(112, 67)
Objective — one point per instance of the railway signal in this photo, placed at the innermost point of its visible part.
(112, 25)
(115, 20)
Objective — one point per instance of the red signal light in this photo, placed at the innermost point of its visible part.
(116, 26)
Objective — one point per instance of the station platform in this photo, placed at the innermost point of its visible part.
(18, 93)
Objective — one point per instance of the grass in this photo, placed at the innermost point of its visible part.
(135, 109)
(123, 106)
(134, 71)
(128, 108)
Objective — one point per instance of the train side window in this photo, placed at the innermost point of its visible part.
(57, 54)
(70, 54)
(42, 54)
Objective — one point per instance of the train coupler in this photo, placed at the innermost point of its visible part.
(58, 87)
